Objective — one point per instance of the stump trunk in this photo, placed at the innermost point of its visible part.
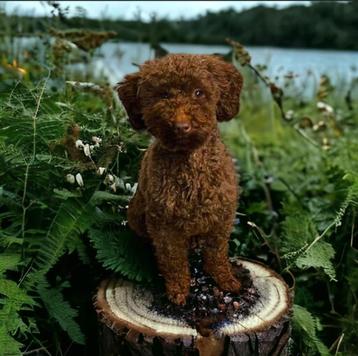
(129, 325)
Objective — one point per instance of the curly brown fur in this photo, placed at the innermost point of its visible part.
(187, 185)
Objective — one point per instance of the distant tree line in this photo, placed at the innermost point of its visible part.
(319, 25)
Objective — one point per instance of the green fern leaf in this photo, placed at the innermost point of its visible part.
(119, 250)
(11, 320)
(9, 346)
(8, 262)
(14, 293)
(351, 198)
(344, 153)
(298, 230)
(319, 256)
(61, 311)
(80, 247)
(304, 321)
(13, 300)
(73, 218)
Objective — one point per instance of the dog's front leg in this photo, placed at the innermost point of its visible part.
(171, 249)
(216, 261)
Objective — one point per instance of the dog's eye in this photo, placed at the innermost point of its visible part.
(198, 93)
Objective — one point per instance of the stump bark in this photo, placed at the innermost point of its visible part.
(130, 326)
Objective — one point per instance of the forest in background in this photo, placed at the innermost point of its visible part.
(321, 25)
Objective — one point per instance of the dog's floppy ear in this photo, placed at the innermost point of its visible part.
(229, 81)
(127, 91)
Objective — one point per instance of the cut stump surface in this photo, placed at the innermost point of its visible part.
(131, 325)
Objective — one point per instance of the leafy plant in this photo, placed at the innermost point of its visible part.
(299, 200)
(64, 169)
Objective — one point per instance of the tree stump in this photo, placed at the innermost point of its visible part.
(130, 323)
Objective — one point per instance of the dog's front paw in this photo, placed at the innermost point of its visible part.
(178, 299)
(230, 285)
(177, 293)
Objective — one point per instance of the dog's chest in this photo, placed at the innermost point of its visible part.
(197, 191)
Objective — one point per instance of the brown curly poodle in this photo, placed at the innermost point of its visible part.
(187, 187)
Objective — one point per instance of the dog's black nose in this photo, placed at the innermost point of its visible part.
(183, 127)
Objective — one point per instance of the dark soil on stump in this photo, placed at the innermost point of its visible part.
(207, 307)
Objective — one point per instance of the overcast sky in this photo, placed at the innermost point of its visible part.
(127, 9)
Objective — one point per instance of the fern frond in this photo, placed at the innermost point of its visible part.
(298, 228)
(319, 256)
(61, 311)
(13, 300)
(16, 295)
(119, 251)
(9, 346)
(304, 321)
(351, 199)
(302, 245)
(344, 153)
(8, 261)
(72, 218)
(16, 132)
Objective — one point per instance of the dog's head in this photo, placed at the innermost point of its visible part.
(180, 97)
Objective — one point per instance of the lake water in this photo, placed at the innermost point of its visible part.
(118, 59)
(115, 59)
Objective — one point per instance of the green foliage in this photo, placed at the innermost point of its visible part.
(309, 325)
(319, 255)
(119, 250)
(8, 344)
(61, 311)
(72, 219)
(13, 302)
(8, 262)
(298, 203)
(299, 246)
(45, 216)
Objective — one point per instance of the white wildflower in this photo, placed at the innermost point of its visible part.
(113, 187)
(128, 187)
(134, 188)
(289, 114)
(96, 140)
(324, 107)
(121, 148)
(101, 170)
(79, 144)
(70, 178)
(86, 150)
(79, 180)
(321, 105)
(329, 109)
(109, 179)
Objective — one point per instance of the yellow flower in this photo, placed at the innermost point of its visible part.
(15, 66)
